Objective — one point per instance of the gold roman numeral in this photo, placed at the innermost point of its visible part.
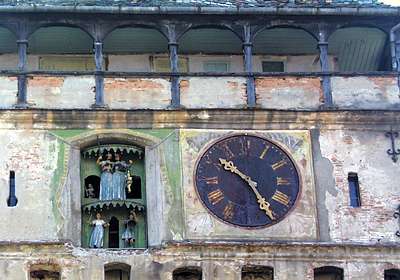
(228, 211)
(264, 152)
(282, 181)
(210, 180)
(209, 161)
(244, 147)
(281, 198)
(227, 150)
(278, 164)
(215, 196)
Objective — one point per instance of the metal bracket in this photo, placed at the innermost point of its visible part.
(396, 215)
(393, 152)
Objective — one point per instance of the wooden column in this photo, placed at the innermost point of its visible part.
(324, 60)
(99, 77)
(173, 59)
(248, 67)
(22, 46)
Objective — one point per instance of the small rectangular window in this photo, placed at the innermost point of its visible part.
(273, 66)
(67, 63)
(162, 64)
(216, 66)
(354, 190)
(12, 199)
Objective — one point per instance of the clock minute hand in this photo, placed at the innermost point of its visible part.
(264, 205)
(228, 165)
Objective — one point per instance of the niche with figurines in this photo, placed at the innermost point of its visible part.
(113, 197)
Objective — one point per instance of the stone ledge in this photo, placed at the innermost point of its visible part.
(206, 119)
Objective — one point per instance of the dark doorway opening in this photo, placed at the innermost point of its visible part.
(328, 273)
(392, 274)
(257, 272)
(113, 233)
(187, 273)
(117, 271)
(44, 274)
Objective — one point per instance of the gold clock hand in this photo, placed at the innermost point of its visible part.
(228, 165)
(264, 205)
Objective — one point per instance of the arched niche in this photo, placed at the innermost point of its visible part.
(119, 168)
(392, 274)
(117, 271)
(69, 199)
(258, 272)
(211, 49)
(136, 49)
(187, 273)
(61, 48)
(328, 273)
(360, 49)
(285, 49)
(91, 186)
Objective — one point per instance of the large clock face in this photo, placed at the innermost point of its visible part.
(247, 181)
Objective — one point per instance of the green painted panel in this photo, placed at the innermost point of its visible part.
(208, 40)
(8, 42)
(135, 40)
(60, 40)
(159, 133)
(66, 63)
(284, 41)
(358, 48)
(68, 133)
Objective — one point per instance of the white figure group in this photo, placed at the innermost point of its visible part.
(113, 179)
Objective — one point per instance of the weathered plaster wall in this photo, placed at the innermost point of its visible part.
(9, 61)
(301, 224)
(61, 92)
(281, 93)
(213, 92)
(8, 92)
(365, 154)
(217, 262)
(137, 63)
(134, 93)
(366, 92)
(289, 93)
(46, 165)
(33, 155)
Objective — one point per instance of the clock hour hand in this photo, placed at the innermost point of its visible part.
(264, 205)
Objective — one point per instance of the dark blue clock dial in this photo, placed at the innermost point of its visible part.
(247, 181)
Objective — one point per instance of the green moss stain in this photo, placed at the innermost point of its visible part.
(159, 133)
(68, 133)
(56, 180)
(171, 154)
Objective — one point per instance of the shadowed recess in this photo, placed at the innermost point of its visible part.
(135, 40)
(60, 40)
(360, 49)
(284, 41)
(210, 41)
